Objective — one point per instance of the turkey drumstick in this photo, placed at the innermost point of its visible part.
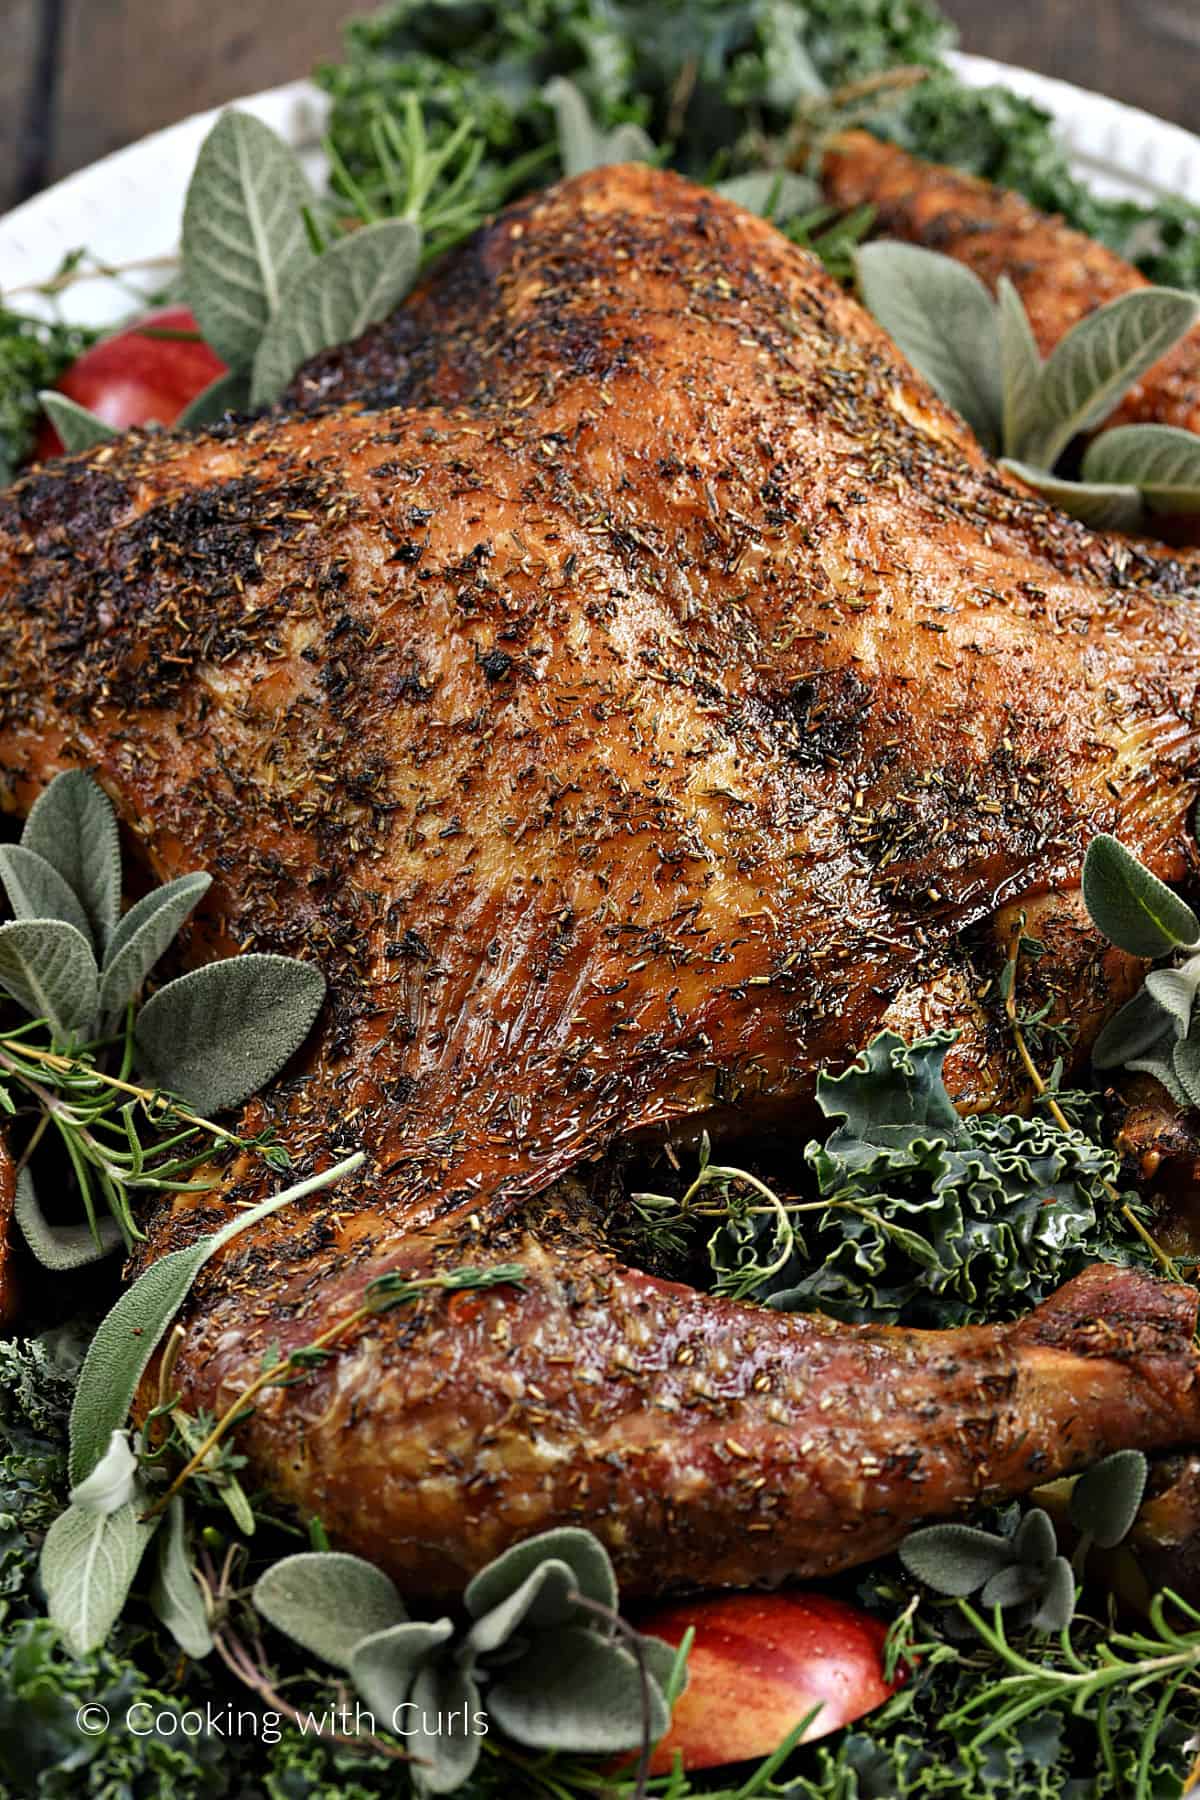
(1060, 274)
(644, 696)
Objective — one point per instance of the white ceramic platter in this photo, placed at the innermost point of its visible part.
(126, 208)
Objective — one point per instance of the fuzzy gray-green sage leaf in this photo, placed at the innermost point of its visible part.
(128, 1336)
(48, 968)
(356, 282)
(944, 320)
(175, 1594)
(1131, 906)
(218, 1034)
(143, 935)
(582, 144)
(88, 1563)
(36, 890)
(78, 428)
(72, 825)
(57, 1246)
(1161, 461)
(244, 237)
(1089, 370)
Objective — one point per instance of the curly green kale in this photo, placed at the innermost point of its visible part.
(929, 1218)
(707, 79)
(33, 354)
(694, 73)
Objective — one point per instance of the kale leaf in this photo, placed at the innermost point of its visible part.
(33, 354)
(930, 1219)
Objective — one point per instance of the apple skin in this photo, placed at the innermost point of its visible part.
(758, 1665)
(131, 378)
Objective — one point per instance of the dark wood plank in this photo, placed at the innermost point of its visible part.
(132, 66)
(1145, 52)
(18, 70)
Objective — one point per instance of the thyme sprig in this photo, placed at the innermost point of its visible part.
(120, 1137)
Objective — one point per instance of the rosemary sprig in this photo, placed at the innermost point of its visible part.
(1161, 1658)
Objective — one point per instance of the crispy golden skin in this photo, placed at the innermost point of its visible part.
(1060, 274)
(658, 697)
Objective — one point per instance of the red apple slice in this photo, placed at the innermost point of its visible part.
(759, 1664)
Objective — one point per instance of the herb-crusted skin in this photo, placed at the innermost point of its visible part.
(645, 697)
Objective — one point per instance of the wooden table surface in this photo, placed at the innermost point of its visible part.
(83, 77)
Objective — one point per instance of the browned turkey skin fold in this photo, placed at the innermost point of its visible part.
(643, 696)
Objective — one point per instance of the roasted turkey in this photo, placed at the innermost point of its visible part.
(634, 688)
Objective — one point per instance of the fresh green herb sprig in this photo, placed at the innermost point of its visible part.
(980, 356)
(94, 1549)
(691, 73)
(206, 1041)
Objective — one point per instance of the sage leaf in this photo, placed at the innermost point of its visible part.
(580, 1551)
(1106, 1498)
(1020, 364)
(576, 1692)
(1162, 1069)
(582, 144)
(48, 968)
(1161, 461)
(954, 1559)
(445, 1757)
(944, 320)
(112, 1482)
(61, 1246)
(792, 75)
(78, 428)
(244, 238)
(329, 1602)
(358, 280)
(771, 193)
(88, 1563)
(1101, 508)
(141, 937)
(1130, 906)
(218, 1035)
(1093, 367)
(385, 1663)
(1185, 1066)
(175, 1594)
(1058, 1598)
(36, 890)
(543, 1600)
(1142, 1026)
(72, 824)
(1034, 1542)
(128, 1336)
(1174, 992)
(228, 393)
(1013, 1586)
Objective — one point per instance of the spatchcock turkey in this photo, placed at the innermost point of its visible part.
(634, 689)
